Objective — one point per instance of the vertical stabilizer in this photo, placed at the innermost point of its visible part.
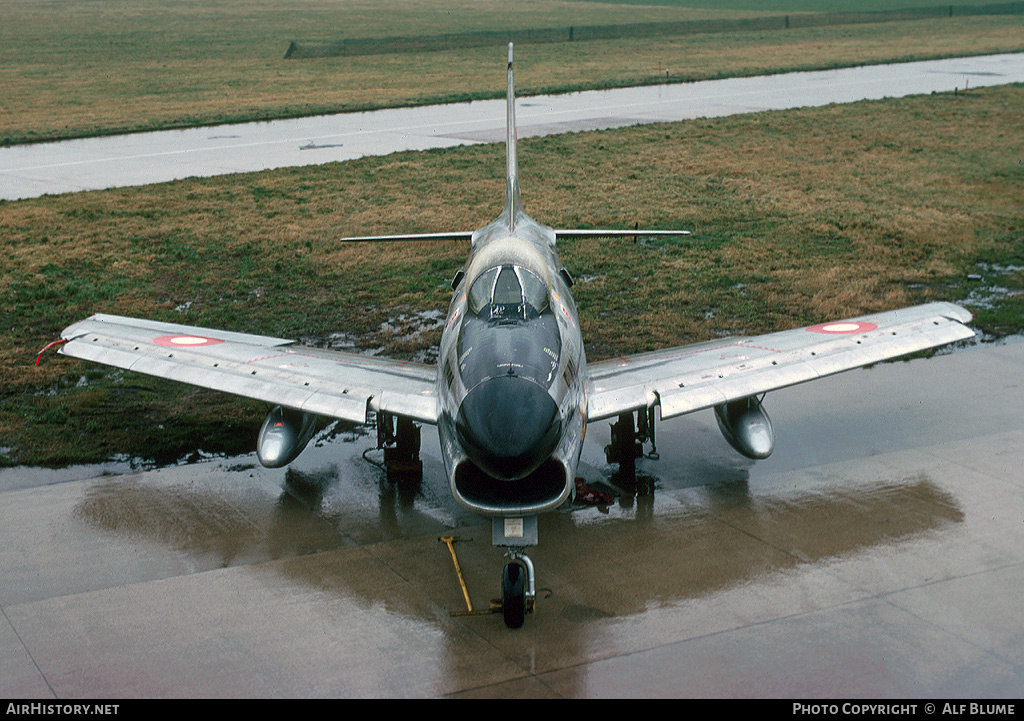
(512, 203)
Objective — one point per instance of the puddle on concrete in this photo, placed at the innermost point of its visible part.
(17, 477)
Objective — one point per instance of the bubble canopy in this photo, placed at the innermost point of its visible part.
(508, 289)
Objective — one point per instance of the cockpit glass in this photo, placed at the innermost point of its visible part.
(534, 291)
(480, 292)
(508, 291)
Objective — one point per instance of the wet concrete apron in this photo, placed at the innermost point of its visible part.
(876, 554)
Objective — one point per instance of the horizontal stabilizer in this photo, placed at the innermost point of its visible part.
(559, 233)
(453, 235)
(605, 233)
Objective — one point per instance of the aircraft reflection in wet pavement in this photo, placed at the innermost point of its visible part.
(512, 393)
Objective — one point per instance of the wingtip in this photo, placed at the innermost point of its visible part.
(953, 312)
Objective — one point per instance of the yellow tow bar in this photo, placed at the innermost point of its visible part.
(450, 541)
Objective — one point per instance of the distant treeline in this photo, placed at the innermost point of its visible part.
(424, 43)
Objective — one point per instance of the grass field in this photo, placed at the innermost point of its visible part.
(795, 6)
(72, 69)
(799, 217)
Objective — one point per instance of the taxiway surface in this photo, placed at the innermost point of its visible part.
(74, 165)
(876, 554)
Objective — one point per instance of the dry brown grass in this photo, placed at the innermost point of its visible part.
(72, 69)
(799, 217)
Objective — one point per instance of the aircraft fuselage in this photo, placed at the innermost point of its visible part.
(512, 373)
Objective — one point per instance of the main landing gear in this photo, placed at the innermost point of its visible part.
(628, 438)
(400, 439)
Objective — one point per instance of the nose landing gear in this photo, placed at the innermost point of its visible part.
(518, 584)
(518, 590)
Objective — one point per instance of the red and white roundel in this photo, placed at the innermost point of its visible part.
(185, 341)
(842, 327)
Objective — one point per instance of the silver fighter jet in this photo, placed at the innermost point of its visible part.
(512, 392)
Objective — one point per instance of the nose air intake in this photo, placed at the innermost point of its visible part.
(508, 426)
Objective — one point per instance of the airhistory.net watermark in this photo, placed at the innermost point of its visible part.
(62, 709)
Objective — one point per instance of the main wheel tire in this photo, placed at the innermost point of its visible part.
(513, 595)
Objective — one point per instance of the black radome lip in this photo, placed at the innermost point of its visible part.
(508, 426)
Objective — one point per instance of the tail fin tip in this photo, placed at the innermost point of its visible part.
(512, 163)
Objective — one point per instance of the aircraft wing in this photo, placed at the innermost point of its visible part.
(328, 383)
(689, 378)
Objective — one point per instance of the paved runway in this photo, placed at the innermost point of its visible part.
(877, 554)
(29, 171)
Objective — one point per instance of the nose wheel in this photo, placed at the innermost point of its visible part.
(513, 595)
(517, 589)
